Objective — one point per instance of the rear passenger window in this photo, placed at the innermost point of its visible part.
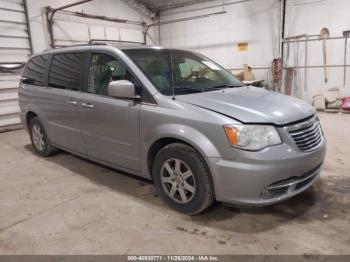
(66, 71)
(34, 73)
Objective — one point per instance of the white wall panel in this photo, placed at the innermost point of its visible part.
(309, 17)
(15, 42)
(68, 30)
(258, 23)
(97, 32)
(112, 33)
(11, 29)
(16, 4)
(12, 16)
(14, 55)
(14, 48)
(130, 34)
(255, 22)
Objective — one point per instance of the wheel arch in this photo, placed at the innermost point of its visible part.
(31, 111)
(158, 145)
(171, 133)
(29, 116)
(161, 142)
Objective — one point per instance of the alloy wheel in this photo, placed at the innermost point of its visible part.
(178, 180)
(38, 137)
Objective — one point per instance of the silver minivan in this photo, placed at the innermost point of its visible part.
(175, 117)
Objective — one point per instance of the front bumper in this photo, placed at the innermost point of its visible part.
(266, 177)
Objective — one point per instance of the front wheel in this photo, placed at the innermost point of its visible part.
(182, 179)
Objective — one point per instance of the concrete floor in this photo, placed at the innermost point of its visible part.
(67, 205)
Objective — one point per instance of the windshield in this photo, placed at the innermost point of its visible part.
(181, 72)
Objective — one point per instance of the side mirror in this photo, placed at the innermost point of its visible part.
(122, 89)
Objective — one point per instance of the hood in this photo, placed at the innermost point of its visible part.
(252, 105)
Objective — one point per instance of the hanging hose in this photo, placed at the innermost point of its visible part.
(11, 68)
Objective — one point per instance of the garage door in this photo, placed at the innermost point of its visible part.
(15, 47)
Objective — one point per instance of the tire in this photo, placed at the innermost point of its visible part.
(39, 138)
(187, 186)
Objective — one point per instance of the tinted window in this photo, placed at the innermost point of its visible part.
(34, 73)
(66, 71)
(104, 69)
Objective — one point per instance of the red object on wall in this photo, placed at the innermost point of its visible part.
(346, 103)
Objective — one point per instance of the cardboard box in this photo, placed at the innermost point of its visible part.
(319, 102)
(333, 98)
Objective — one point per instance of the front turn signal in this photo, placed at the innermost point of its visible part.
(232, 135)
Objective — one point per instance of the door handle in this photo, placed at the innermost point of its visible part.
(72, 102)
(87, 105)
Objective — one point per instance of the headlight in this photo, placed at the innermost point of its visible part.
(252, 137)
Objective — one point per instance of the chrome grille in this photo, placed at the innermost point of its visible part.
(307, 135)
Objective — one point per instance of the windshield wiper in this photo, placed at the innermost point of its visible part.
(191, 89)
(222, 87)
(183, 89)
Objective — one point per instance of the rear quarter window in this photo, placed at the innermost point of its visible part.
(34, 72)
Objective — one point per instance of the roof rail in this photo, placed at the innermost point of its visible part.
(64, 46)
(105, 41)
(96, 42)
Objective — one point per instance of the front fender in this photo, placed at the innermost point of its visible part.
(187, 134)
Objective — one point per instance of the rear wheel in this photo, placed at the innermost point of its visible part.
(182, 179)
(39, 138)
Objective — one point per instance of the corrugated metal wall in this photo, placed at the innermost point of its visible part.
(15, 48)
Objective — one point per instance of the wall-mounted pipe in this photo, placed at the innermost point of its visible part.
(54, 10)
(11, 67)
(284, 10)
(50, 13)
(317, 66)
(25, 6)
(102, 17)
(286, 40)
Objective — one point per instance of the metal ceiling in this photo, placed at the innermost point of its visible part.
(162, 5)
